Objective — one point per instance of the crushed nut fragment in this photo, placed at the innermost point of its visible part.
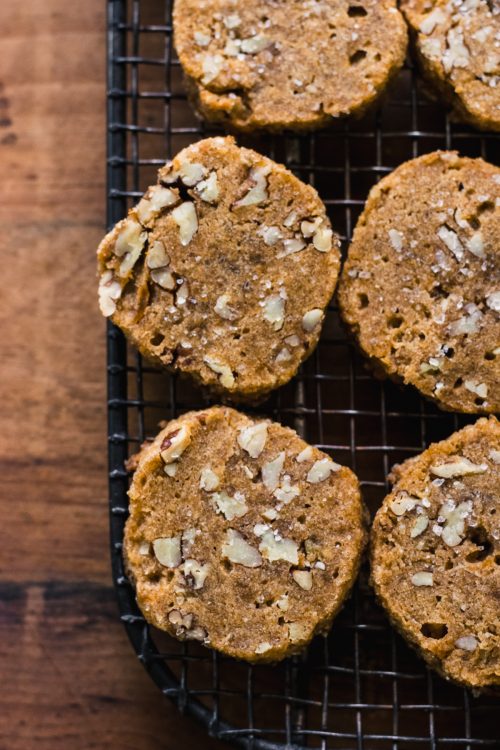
(297, 631)
(157, 256)
(255, 44)
(131, 238)
(290, 220)
(458, 468)
(109, 291)
(311, 319)
(467, 643)
(286, 492)
(188, 539)
(168, 551)
(493, 301)
(225, 372)
(419, 526)
(223, 309)
(305, 455)
(209, 480)
(201, 39)
(323, 239)
(454, 517)
(156, 199)
(263, 647)
(480, 389)
(276, 548)
(270, 235)
(212, 66)
(270, 514)
(230, 507)
(255, 187)
(452, 242)
(422, 579)
(252, 439)
(187, 220)
(475, 245)
(431, 20)
(396, 239)
(274, 311)
(196, 572)
(271, 472)
(402, 504)
(232, 21)
(174, 444)
(282, 602)
(164, 278)
(208, 189)
(238, 551)
(321, 470)
(284, 355)
(196, 634)
(303, 578)
(308, 228)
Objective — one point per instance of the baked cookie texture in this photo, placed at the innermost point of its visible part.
(223, 270)
(420, 289)
(289, 63)
(435, 554)
(240, 535)
(458, 47)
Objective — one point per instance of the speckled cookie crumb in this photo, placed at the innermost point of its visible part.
(458, 46)
(241, 536)
(297, 65)
(223, 270)
(435, 553)
(420, 288)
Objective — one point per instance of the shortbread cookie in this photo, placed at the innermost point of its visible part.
(436, 554)
(421, 286)
(458, 46)
(297, 65)
(240, 535)
(223, 270)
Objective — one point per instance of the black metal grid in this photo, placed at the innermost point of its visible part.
(362, 687)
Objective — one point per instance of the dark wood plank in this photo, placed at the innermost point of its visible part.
(73, 683)
(70, 679)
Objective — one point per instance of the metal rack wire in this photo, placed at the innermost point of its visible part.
(362, 687)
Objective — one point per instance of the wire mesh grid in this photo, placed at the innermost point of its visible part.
(361, 687)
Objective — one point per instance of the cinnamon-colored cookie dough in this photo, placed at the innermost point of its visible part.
(436, 554)
(458, 47)
(289, 63)
(240, 535)
(421, 286)
(223, 270)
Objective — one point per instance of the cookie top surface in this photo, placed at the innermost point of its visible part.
(224, 270)
(240, 535)
(287, 64)
(436, 554)
(421, 285)
(458, 42)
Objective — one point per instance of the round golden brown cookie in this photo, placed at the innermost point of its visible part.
(457, 43)
(435, 550)
(223, 270)
(421, 286)
(240, 535)
(285, 64)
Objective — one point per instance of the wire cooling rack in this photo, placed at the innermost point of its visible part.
(362, 687)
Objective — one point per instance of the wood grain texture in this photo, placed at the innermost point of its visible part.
(69, 677)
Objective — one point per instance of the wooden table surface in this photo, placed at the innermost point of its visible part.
(69, 677)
